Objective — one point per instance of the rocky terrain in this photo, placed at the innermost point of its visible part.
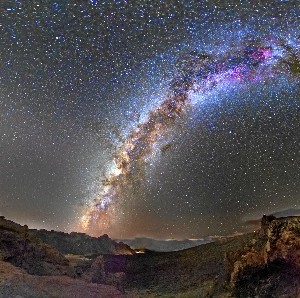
(81, 244)
(261, 264)
(31, 267)
(15, 282)
(271, 266)
(24, 250)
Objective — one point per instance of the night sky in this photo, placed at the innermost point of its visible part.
(166, 119)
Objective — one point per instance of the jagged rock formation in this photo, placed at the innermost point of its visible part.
(271, 268)
(81, 244)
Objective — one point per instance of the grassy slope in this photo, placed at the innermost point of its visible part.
(207, 265)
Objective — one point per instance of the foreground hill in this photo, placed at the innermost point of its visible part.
(261, 264)
(15, 282)
(24, 250)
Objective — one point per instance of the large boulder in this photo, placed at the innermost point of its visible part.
(271, 267)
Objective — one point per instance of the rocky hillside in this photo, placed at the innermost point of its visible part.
(24, 250)
(271, 267)
(81, 244)
(48, 272)
(15, 282)
(42, 252)
(261, 264)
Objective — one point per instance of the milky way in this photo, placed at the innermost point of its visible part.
(200, 72)
(157, 118)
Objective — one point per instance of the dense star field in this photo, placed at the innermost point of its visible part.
(167, 119)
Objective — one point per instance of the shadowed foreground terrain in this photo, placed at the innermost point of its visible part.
(261, 264)
(15, 282)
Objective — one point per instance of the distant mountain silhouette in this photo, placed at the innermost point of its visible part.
(277, 214)
(165, 245)
(287, 212)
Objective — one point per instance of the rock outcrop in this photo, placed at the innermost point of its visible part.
(271, 266)
(97, 274)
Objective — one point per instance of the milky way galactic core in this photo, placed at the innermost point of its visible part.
(199, 73)
(167, 119)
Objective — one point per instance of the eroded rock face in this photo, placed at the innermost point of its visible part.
(271, 268)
